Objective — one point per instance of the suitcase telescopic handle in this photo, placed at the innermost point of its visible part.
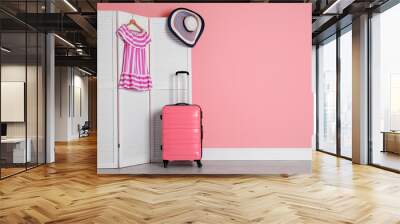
(182, 104)
(182, 72)
(176, 82)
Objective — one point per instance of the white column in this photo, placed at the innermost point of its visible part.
(50, 92)
(360, 90)
(314, 91)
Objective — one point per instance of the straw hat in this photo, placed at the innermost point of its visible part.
(186, 25)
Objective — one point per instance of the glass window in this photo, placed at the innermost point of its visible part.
(14, 153)
(22, 91)
(346, 93)
(327, 96)
(385, 89)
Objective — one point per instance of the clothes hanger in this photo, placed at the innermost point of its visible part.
(133, 22)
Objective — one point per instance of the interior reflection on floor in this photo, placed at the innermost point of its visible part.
(8, 169)
(387, 159)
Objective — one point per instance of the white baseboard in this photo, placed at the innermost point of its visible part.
(106, 165)
(257, 154)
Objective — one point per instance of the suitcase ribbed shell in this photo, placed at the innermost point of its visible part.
(181, 132)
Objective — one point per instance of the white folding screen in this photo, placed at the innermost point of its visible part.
(133, 110)
(131, 119)
(167, 56)
(107, 129)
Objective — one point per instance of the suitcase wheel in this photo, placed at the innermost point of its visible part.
(199, 165)
(165, 163)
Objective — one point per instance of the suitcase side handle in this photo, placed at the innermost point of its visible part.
(201, 133)
(181, 72)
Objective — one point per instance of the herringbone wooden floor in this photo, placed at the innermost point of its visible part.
(70, 191)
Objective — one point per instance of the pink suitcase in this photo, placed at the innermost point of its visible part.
(182, 133)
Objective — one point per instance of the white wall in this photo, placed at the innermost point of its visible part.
(70, 83)
(16, 72)
(62, 82)
(79, 117)
(33, 127)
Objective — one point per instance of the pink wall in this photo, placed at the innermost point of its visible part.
(251, 72)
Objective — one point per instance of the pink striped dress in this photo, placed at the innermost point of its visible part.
(135, 73)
